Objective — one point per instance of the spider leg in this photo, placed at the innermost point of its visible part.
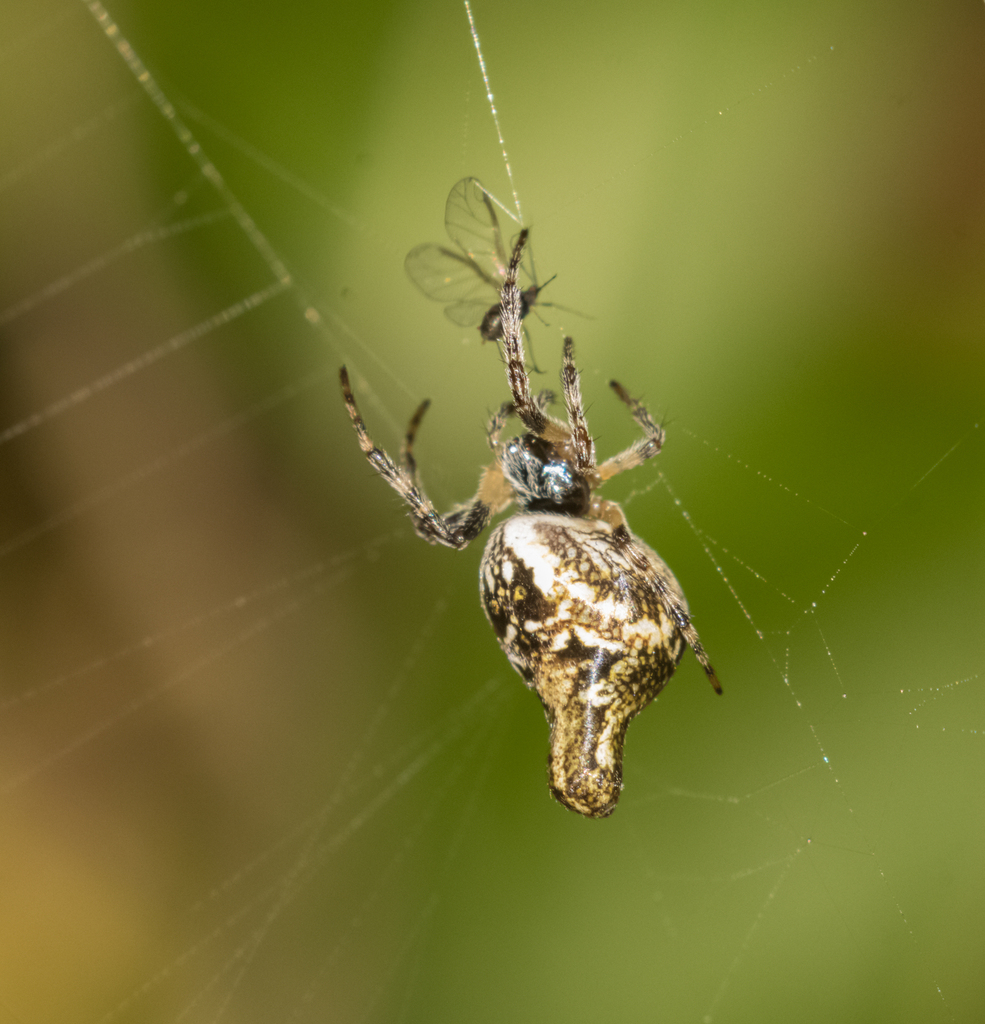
(581, 439)
(691, 636)
(493, 495)
(511, 312)
(407, 447)
(508, 409)
(545, 398)
(640, 450)
(454, 531)
(498, 422)
(673, 604)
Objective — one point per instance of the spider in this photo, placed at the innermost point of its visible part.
(591, 617)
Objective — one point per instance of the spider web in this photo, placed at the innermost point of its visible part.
(261, 756)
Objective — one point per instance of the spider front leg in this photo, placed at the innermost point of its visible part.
(454, 531)
(511, 312)
(581, 439)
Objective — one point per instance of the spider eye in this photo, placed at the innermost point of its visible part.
(561, 489)
(542, 483)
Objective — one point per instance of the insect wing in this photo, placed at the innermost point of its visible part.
(446, 275)
(469, 275)
(472, 224)
(469, 314)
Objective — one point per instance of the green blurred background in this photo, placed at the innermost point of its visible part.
(262, 758)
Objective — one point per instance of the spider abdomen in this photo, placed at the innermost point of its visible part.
(579, 607)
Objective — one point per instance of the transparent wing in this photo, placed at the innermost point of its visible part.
(472, 223)
(469, 275)
(446, 275)
(467, 314)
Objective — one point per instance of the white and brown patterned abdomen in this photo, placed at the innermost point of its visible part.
(578, 606)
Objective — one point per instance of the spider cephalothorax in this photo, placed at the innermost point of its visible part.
(590, 617)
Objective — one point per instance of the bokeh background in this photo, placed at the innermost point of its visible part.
(261, 757)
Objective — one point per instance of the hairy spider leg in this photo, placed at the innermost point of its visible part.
(681, 617)
(454, 531)
(542, 400)
(640, 450)
(511, 311)
(407, 448)
(584, 446)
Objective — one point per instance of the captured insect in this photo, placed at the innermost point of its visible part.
(590, 616)
(469, 277)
